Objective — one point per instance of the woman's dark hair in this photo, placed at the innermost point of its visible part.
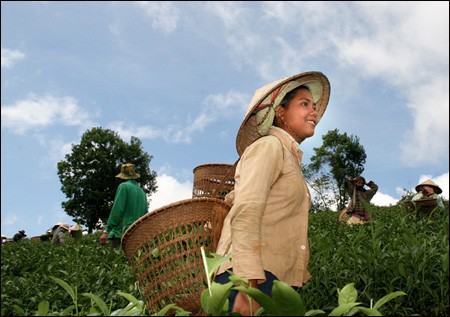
(288, 97)
(360, 178)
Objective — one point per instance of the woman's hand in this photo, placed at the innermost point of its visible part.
(242, 302)
(242, 305)
(103, 238)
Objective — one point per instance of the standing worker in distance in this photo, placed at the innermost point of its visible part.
(130, 203)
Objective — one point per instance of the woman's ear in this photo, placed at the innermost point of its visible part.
(279, 111)
(279, 116)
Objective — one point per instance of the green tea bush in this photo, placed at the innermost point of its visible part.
(27, 268)
(396, 252)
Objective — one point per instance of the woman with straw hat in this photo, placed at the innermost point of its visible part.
(428, 190)
(60, 233)
(266, 228)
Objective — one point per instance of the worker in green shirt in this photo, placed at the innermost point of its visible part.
(130, 203)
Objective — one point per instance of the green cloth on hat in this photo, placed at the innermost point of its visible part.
(264, 120)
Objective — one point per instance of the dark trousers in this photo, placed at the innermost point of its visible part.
(265, 287)
(115, 242)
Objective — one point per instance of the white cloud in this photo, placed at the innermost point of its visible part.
(443, 183)
(428, 139)
(10, 57)
(58, 150)
(216, 107)
(163, 14)
(231, 14)
(42, 111)
(115, 29)
(383, 40)
(10, 220)
(169, 191)
(407, 55)
(381, 199)
(143, 132)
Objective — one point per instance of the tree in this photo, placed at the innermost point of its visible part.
(340, 156)
(88, 174)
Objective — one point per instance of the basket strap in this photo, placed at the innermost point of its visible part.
(351, 203)
(218, 188)
(213, 195)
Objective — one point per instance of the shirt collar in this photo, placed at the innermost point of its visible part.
(285, 135)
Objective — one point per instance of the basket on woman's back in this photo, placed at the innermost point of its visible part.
(163, 248)
(213, 180)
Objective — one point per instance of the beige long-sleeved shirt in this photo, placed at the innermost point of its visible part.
(267, 226)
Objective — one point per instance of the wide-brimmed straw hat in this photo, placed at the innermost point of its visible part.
(64, 225)
(75, 227)
(260, 114)
(429, 182)
(127, 172)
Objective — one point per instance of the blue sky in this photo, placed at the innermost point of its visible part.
(180, 75)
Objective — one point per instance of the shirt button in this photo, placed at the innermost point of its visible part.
(303, 247)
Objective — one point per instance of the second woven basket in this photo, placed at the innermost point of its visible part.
(213, 180)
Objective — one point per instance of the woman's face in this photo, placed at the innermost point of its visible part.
(427, 190)
(359, 183)
(300, 114)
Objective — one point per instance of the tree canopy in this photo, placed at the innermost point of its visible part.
(88, 173)
(340, 156)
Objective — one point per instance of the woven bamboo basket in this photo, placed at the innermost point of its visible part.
(343, 215)
(36, 239)
(208, 180)
(421, 205)
(163, 249)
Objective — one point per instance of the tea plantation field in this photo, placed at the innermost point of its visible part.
(397, 251)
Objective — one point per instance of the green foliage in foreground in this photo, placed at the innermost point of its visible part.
(285, 301)
(28, 267)
(397, 253)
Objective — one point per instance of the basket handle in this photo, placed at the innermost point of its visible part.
(218, 188)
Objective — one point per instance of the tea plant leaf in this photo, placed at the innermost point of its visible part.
(387, 298)
(215, 260)
(314, 312)
(212, 264)
(93, 311)
(369, 311)
(348, 294)
(236, 279)
(343, 309)
(218, 302)
(70, 290)
(99, 302)
(68, 311)
(129, 310)
(262, 299)
(43, 308)
(179, 311)
(287, 300)
(129, 297)
(19, 310)
(65, 286)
